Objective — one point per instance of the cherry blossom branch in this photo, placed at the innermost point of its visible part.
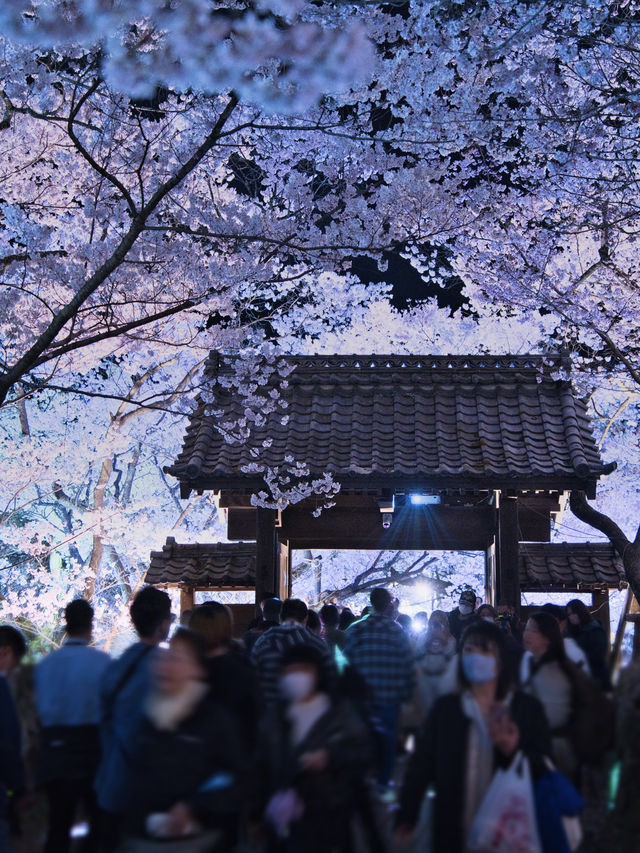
(114, 332)
(113, 180)
(67, 312)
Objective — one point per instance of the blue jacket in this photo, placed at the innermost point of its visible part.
(124, 688)
(555, 797)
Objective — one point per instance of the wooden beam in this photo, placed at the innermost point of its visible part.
(413, 528)
(600, 610)
(187, 598)
(284, 590)
(507, 562)
(241, 524)
(616, 651)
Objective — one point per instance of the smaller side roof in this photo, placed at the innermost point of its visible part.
(570, 566)
(220, 565)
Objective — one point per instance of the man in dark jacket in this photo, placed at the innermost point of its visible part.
(464, 614)
(271, 609)
(12, 776)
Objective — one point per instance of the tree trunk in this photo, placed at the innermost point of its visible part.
(97, 549)
(628, 551)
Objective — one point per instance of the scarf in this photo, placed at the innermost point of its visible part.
(304, 715)
(167, 711)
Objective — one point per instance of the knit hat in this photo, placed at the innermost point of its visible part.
(301, 653)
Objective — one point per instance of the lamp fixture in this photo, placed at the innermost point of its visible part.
(425, 500)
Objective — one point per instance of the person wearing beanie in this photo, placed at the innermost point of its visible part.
(292, 631)
(464, 615)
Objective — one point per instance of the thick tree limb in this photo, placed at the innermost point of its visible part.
(628, 551)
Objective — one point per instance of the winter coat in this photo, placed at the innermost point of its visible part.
(458, 623)
(233, 684)
(329, 795)
(203, 751)
(593, 641)
(440, 760)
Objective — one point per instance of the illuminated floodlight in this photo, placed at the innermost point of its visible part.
(424, 500)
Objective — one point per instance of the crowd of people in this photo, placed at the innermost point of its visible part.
(288, 740)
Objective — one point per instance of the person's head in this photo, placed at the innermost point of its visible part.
(293, 609)
(12, 648)
(347, 617)
(151, 614)
(483, 658)
(404, 620)
(439, 626)
(271, 609)
(577, 614)
(330, 616)
(268, 597)
(301, 673)
(381, 600)
(213, 621)
(182, 663)
(313, 622)
(487, 612)
(558, 611)
(542, 637)
(78, 617)
(467, 602)
(421, 621)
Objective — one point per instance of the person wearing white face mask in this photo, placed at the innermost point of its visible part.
(315, 752)
(464, 614)
(467, 736)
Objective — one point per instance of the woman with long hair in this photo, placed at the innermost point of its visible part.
(467, 736)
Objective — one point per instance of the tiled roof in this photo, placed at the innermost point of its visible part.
(216, 566)
(383, 421)
(573, 566)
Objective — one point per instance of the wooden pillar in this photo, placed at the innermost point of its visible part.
(187, 598)
(600, 610)
(284, 590)
(267, 556)
(490, 575)
(507, 553)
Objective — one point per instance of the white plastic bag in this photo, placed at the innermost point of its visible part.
(506, 819)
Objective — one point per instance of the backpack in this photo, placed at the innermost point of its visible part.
(592, 726)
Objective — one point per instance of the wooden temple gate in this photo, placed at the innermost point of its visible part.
(473, 453)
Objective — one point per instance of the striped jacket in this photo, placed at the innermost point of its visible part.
(267, 653)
